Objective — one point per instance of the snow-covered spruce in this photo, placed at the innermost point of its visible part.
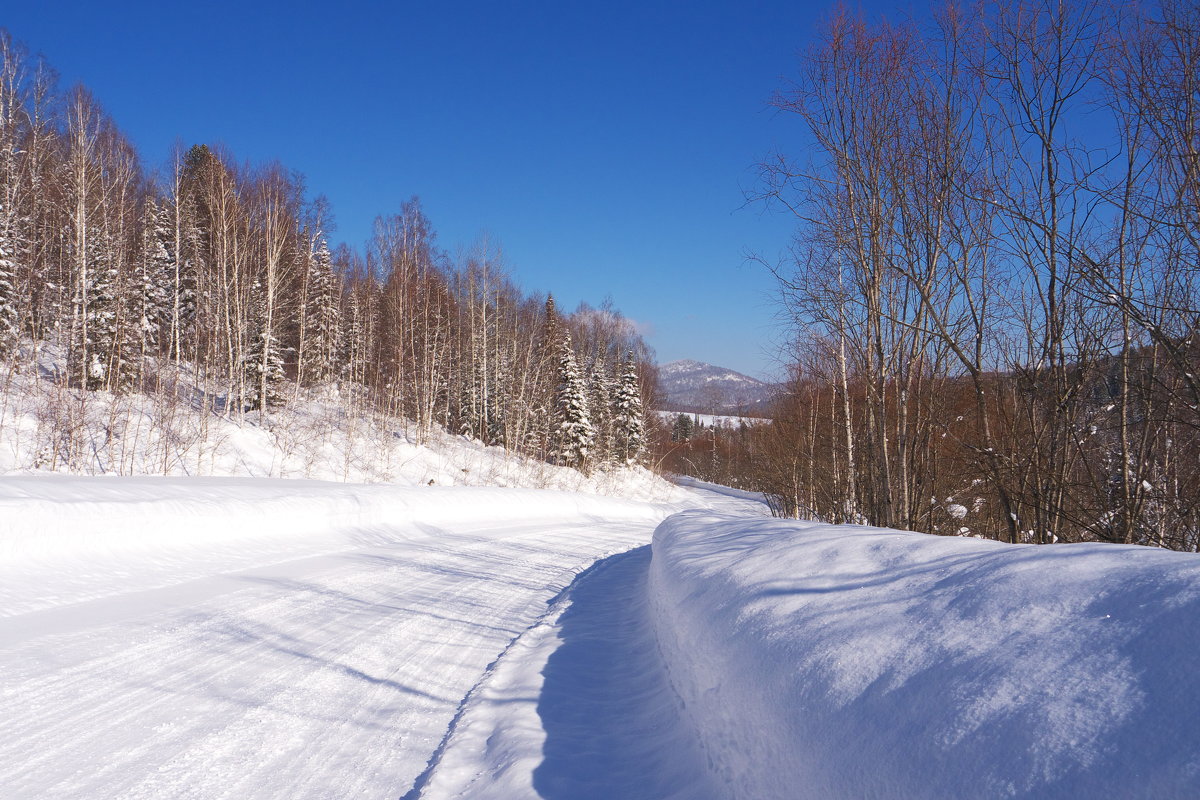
(574, 433)
(629, 423)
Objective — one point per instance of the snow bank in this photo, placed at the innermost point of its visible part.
(821, 661)
(65, 539)
(757, 498)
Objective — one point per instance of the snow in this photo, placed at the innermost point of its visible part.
(711, 420)
(265, 638)
(66, 539)
(582, 705)
(47, 428)
(297, 638)
(846, 662)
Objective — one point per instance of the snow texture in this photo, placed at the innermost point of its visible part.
(582, 707)
(46, 428)
(268, 638)
(820, 661)
(200, 638)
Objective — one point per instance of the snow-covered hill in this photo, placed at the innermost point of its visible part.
(184, 429)
(695, 386)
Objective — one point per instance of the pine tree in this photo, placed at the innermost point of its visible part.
(99, 306)
(180, 315)
(501, 385)
(541, 437)
(629, 427)
(574, 432)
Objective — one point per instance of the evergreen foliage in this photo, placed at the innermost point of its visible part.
(181, 276)
(103, 353)
(574, 432)
(600, 401)
(9, 302)
(155, 272)
(322, 316)
(681, 431)
(262, 368)
(628, 424)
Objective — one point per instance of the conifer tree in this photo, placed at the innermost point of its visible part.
(629, 427)
(541, 437)
(98, 305)
(574, 432)
(681, 431)
(600, 402)
(262, 366)
(9, 302)
(185, 247)
(155, 272)
(322, 314)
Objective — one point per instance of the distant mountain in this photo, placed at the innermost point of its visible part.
(704, 388)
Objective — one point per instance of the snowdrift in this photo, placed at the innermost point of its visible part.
(65, 539)
(821, 661)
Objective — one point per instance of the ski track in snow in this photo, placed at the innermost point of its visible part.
(331, 677)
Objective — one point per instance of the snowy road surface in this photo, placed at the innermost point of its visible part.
(286, 639)
(330, 669)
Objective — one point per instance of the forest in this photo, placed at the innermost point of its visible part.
(992, 292)
(214, 285)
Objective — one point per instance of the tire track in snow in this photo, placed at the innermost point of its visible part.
(338, 677)
(578, 707)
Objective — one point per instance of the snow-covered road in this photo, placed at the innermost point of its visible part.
(311, 676)
(288, 639)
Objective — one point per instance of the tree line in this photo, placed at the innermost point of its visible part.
(225, 272)
(992, 290)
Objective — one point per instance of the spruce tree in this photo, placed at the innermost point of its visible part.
(262, 366)
(682, 430)
(600, 400)
(322, 316)
(629, 427)
(542, 437)
(574, 433)
(155, 274)
(182, 280)
(9, 302)
(102, 356)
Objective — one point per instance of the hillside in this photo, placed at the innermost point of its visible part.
(704, 388)
(185, 428)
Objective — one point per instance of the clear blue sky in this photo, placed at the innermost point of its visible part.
(604, 146)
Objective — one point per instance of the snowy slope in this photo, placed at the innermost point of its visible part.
(318, 434)
(846, 662)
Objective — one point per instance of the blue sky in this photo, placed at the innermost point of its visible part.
(604, 147)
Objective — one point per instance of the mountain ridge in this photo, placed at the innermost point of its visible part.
(696, 386)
